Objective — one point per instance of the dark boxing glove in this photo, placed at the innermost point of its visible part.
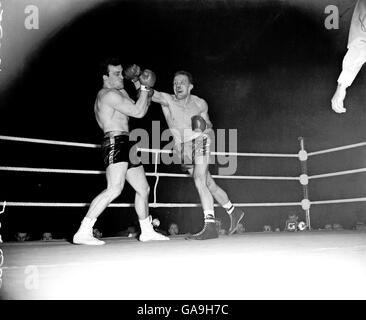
(198, 124)
(147, 80)
(132, 72)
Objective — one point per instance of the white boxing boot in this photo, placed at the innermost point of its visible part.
(148, 233)
(85, 233)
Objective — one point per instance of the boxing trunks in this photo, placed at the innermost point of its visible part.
(190, 152)
(116, 147)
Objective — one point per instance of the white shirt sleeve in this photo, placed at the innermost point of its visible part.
(352, 62)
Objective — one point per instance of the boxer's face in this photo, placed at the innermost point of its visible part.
(115, 77)
(181, 86)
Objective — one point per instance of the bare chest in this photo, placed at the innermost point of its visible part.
(181, 111)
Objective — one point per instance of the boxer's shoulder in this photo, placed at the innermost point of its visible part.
(113, 95)
(201, 103)
(105, 92)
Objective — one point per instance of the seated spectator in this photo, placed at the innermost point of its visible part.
(130, 232)
(97, 234)
(291, 223)
(21, 236)
(47, 236)
(173, 229)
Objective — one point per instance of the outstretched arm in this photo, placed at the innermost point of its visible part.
(352, 63)
(162, 98)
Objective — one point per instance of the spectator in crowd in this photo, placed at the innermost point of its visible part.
(97, 234)
(130, 232)
(240, 229)
(173, 229)
(291, 222)
(21, 236)
(47, 236)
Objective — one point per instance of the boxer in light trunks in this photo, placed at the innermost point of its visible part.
(112, 109)
(188, 120)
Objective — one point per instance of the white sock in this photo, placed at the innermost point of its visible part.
(229, 207)
(209, 214)
(145, 224)
(87, 223)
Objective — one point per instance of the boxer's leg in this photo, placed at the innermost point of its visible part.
(199, 173)
(137, 179)
(115, 174)
(222, 198)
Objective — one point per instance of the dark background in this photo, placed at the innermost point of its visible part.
(267, 69)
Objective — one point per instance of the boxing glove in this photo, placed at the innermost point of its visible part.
(147, 80)
(132, 72)
(198, 124)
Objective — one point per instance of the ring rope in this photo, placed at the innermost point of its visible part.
(179, 175)
(53, 142)
(151, 174)
(339, 173)
(356, 145)
(339, 201)
(178, 205)
(302, 156)
(154, 205)
(89, 145)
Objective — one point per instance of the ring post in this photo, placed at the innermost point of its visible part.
(304, 180)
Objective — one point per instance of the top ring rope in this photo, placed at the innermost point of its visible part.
(90, 145)
(151, 174)
(53, 142)
(350, 146)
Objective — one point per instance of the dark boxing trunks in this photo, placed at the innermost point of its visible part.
(118, 148)
(191, 152)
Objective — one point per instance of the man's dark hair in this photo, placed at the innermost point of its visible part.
(113, 61)
(185, 73)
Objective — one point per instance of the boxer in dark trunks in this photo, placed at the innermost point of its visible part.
(112, 109)
(116, 147)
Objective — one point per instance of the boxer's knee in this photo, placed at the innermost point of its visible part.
(143, 191)
(199, 179)
(114, 191)
(211, 185)
(146, 190)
